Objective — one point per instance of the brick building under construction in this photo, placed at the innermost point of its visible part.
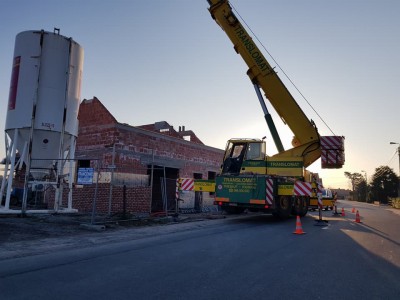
(142, 162)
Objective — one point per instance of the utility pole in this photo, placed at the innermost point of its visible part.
(398, 152)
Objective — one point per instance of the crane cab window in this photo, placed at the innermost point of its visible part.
(255, 151)
(237, 150)
(234, 150)
(234, 156)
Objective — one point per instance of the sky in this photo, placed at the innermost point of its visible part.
(167, 60)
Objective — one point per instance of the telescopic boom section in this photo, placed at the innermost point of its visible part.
(262, 74)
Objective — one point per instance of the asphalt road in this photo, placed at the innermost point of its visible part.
(248, 257)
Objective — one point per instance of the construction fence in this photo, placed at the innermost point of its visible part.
(109, 190)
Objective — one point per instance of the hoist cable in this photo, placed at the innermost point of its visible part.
(394, 154)
(284, 73)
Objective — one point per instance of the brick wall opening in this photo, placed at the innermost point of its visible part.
(164, 186)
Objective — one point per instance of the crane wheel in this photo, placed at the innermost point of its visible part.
(284, 207)
(300, 206)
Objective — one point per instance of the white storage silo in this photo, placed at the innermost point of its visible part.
(44, 98)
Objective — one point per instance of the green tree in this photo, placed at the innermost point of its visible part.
(358, 186)
(384, 184)
(361, 191)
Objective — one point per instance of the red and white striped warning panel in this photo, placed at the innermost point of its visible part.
(302, 188)
(332, 152)
(332, 143)
(187, 184)
(320, 204)
(332, 159)
(269, 191)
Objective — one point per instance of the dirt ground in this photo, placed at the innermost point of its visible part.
(43, 233)
(16, 228)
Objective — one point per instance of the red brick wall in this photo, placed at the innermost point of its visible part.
(98, 128)
(136, 199)
(134, 150)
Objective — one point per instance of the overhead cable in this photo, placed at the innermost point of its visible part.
(282, 70)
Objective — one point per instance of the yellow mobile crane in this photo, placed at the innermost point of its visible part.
(249, 178)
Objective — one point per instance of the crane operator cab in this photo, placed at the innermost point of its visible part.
(244, 156)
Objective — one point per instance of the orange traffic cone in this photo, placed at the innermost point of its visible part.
(299, 229)
(358, 217)
(343, 213)
(353, 210)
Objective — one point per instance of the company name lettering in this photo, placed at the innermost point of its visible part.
(252, 49)
(285, 164)
(238, 180)
(204, 183)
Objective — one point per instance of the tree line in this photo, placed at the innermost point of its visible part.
(384, 184)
